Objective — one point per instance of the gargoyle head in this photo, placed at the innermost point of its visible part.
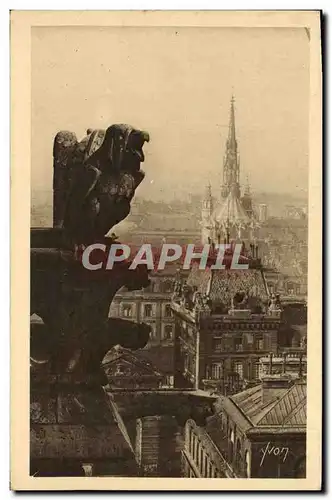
(123, 145)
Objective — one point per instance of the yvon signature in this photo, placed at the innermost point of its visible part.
(275, 450)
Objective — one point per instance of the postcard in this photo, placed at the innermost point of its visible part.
(166, 228)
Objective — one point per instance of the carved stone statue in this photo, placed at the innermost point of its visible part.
(206, 302)
(186, 296)
(94, 183)
(274, 305)
(97, 185)
(177, 289)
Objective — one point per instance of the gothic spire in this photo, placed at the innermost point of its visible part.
(231, 174)
(232, 144)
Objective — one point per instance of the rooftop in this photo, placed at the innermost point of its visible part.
(222, 285)
(286, 408)
(142, 363)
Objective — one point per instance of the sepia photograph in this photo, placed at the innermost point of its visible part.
(172, 197)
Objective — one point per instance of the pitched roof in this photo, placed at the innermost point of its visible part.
(160, 356)
(291, 409)
(286, 408)
(231, 211)
(118, 352)
(221, 285)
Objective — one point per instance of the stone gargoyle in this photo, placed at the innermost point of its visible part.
(94, 183)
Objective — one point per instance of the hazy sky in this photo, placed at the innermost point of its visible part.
(176, 83)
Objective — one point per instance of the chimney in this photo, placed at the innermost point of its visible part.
(272, 384)
(271, 363)
(284, 362)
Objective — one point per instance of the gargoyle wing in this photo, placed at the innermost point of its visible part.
(79, 214)
(64, 146)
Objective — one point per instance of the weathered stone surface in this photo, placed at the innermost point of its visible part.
(77, 441)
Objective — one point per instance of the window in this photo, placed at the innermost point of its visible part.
(238, 368)
(228, 344)
(238, 344)
(186, 362)
(148, 310)
(216, 371)
(170, 380)
(201, 462)
(238, 458)
(192, 444)
(151, 288)
(217, 344)
(206, 472)
(259, 343)
(153, 333)
(167, 286)
(168, 311)
(247, 463)
(168, 332)
(127, 310)
(259, 370)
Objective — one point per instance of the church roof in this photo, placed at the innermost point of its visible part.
(231, 211)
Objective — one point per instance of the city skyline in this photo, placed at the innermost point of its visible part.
(186, 111)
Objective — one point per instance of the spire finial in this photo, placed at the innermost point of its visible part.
(247, 189)
(231, 133)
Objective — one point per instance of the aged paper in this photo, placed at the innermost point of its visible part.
(166, 328)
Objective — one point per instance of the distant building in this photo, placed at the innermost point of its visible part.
(292, 362)
(151, 305)
(233, 215)
(257, 433)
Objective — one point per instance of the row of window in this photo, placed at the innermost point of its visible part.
(148, 310)
(236, 344)
(244, 326)
(167, 332)
(215, 371)
(200, 456)
(166, 286)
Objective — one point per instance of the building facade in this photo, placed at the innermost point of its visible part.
(224, 323)
(151, 305)
(257, 433)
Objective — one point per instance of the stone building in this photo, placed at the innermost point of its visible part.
(225, 321)
(126, 369)
(158, 446)
(257, 433)
(151, 305)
